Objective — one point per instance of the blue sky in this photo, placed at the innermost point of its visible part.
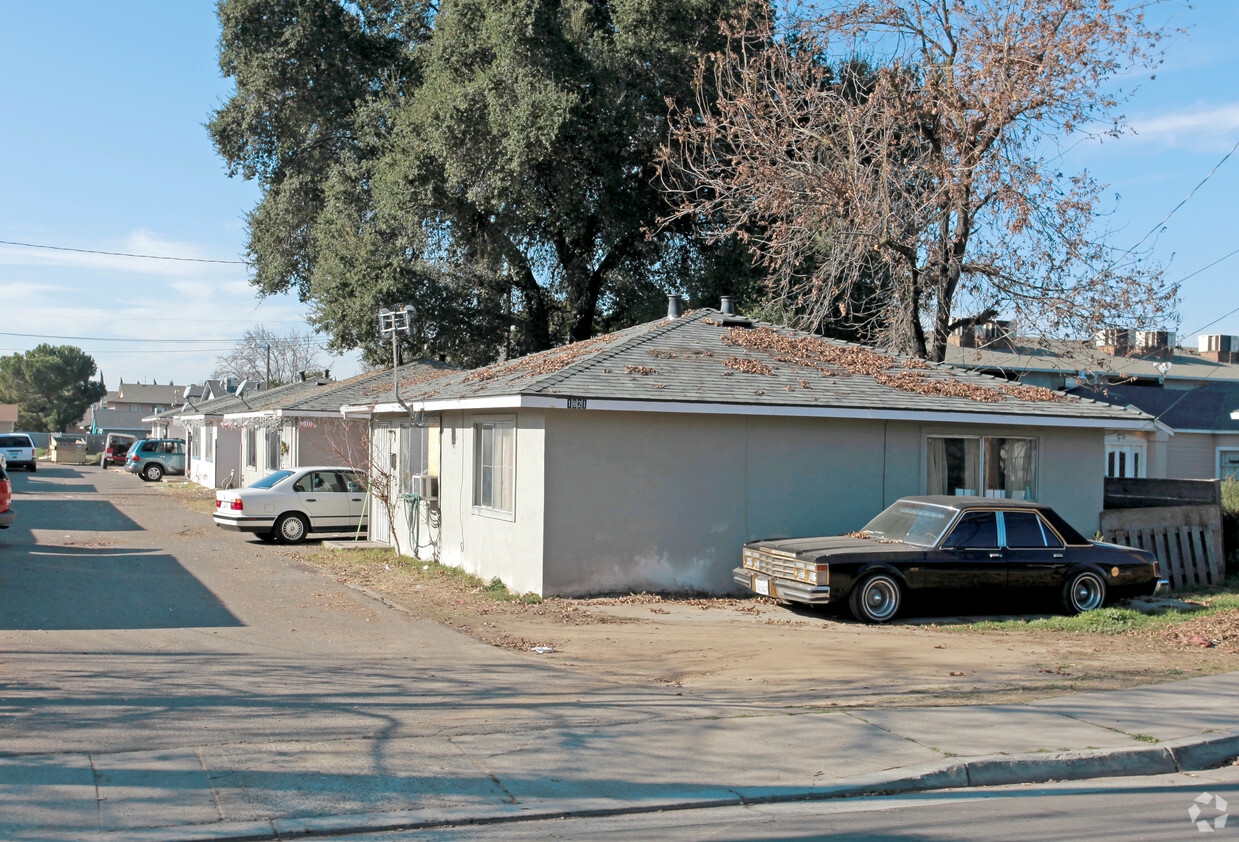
(104, 149)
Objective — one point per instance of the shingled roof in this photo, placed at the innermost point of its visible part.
(706, 361)
(328, 396)
(1206, 407)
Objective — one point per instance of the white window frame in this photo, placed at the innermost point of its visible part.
(414, 445)
(1217, 460)
(479, 425)
(1129, 452)
(981, 466)
(251, 447)
(208, 443)
(272, 443)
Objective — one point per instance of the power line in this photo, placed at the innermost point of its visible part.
(301, 340)
(124, 253)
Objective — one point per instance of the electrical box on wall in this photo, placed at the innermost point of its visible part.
(426, 486)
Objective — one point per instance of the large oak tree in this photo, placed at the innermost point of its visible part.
(922, 188)
(489, 161)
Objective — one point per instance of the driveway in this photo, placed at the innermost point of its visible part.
(136, 636)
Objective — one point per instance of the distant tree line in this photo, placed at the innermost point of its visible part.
(51, 385)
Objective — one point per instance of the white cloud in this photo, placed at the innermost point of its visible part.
(1201, 128)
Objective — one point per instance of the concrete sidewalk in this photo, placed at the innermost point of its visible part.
(279, 790)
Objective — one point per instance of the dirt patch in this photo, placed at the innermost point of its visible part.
(761, 649)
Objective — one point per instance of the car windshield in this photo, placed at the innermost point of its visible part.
(271, 479)
(911, 523)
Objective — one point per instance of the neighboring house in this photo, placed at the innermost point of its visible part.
(212, 451)
(300, 424)
(8, 417)
(240, 436)
(644, 459)
(1141, 368)
(126, 409)
(1205, 444)
(104, 421)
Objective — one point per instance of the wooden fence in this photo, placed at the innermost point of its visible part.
(1186, 539)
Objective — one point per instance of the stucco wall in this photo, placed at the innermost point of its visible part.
(480, 542)
(225, 456)
(664, 501)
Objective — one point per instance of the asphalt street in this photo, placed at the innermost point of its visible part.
(1128, 809)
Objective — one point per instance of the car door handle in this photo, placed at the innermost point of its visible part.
(1058, 555)
(311, 499)
(995, 555)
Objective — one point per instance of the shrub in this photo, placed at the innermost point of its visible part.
(1230, 522)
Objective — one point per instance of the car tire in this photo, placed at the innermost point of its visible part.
(34, 466)
(267, 537)
(152, 472)
(292, 529)
(103, 462)
(876, 598)
(1085, 591)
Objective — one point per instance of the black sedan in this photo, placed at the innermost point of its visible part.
(948, 543)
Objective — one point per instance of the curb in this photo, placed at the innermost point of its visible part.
(1181, 755)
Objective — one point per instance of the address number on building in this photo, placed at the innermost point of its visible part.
(576, 403)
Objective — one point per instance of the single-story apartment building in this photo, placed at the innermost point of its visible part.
(645, 458)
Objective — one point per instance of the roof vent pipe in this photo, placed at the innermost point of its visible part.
(675, 307)
(728, 306)
(301, 376)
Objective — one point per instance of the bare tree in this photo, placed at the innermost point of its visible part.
(261, 350)
(926, 180)
(352, 442)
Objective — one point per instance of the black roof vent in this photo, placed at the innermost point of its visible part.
(675, 307)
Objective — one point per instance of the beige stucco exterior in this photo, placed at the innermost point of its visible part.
(609, 501)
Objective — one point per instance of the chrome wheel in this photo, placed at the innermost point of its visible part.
(1084, 591)
(877, 599)
(152, 472)
(292, 529)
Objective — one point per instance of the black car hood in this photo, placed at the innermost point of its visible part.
(834, 545)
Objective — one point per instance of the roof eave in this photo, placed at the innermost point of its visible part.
(1145, 423)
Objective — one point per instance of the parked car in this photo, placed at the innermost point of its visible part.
(18, 450)
(982, 545)
(152, 458)
(115, 448)
(289, 505)
(7, 515)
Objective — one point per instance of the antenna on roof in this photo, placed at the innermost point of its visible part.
(393, 323)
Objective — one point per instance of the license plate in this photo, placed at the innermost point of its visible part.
(762, 586)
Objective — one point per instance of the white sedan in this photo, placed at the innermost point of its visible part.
(288, 505)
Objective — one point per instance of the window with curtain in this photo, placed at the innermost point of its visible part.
(251, 448)
(494, 459)
(208, 442)
(988, 466)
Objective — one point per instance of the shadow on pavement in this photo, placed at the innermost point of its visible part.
(98, 587)
(73, 515)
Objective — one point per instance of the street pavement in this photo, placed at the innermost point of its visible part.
(161, 679)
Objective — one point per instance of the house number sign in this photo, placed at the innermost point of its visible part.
(576, 403)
